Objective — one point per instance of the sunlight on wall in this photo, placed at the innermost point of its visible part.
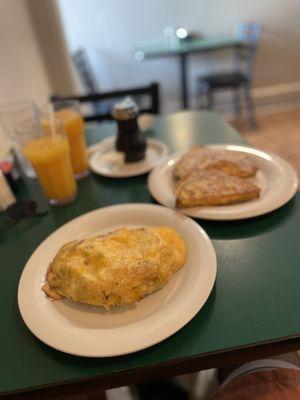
(22, 74)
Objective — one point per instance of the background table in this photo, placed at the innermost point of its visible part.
(253, 310)
(182, 49)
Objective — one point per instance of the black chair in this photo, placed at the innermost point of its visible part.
(85, 71)
(88, 79)
(147, 98)
(240, 77)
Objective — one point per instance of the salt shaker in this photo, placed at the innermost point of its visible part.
(130, 140)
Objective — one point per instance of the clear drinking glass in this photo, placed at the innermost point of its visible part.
(12, 114)
(48, 150)
(69, 112)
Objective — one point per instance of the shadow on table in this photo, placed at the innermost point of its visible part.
(130, 190)
(163, 350)
(120, 182)
(10, 229)
(245, 228)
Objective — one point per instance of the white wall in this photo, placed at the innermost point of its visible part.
(22, 73)
(109, 30)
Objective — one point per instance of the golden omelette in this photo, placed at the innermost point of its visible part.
(116, 269)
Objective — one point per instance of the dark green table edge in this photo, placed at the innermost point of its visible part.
(221, 358)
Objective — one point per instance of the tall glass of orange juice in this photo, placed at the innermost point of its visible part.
(73, 123)
(48, 151)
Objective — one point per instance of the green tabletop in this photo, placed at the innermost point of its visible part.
(163, 48)
(255, 299)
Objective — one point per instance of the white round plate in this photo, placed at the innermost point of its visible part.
(94, 332)
(276, 178)
(106, 161)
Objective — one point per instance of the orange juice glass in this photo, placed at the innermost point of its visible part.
(49, 154)
(73, 123)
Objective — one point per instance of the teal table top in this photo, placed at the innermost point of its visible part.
(255, 298)
(163, 48)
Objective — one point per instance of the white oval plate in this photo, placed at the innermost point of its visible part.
(106, 161)
(276, 178)
(93, 332)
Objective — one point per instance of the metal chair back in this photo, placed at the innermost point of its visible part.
(249, 35)
(85, 71)
(150, 92)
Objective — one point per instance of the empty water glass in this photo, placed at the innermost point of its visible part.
(11, 115)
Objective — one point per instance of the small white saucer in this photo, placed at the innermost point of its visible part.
(106, 161)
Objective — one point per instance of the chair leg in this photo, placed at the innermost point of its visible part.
(237, 103)
(202, 101)
(201, 96)
(210, 100)
(249, 108)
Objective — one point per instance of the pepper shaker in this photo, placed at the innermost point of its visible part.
(130, 140)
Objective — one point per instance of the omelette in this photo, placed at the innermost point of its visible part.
(116, 269)
(233, 163)
(213, 188)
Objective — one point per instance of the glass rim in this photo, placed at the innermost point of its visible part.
(61, 102)
(16, 106)
(58, 101)
(27, 123)
(36, 127)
